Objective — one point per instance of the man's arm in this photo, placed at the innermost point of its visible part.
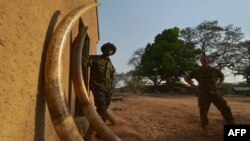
(188, 79)
(221, 78)
(112, 77)
(87, 61)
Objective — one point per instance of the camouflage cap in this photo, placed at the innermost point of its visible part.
(109, 46)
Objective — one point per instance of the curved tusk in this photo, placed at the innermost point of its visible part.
(54, 92)
(82, 94)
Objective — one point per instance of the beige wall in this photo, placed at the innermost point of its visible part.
(25, 28)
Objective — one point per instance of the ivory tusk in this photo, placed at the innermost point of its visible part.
(96, 122)
(54, 91)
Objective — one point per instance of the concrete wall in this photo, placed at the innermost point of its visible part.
(25, 29)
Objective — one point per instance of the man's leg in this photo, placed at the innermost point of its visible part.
(110, 116)
(108, 99)
(224, 109)
(100, 103)
(204, 105)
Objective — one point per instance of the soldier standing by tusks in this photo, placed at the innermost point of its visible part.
(209, 80)
(102, 78)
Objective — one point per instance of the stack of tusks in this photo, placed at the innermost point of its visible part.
(54, 92)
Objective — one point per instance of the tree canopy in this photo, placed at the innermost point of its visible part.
(168, 58)
(222, 44)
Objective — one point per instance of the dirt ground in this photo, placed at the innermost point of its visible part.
(171, 118)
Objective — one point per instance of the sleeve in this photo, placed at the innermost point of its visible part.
(112, 75)
(189, 78)
(191, 75)
(220, 74)
(87, 61)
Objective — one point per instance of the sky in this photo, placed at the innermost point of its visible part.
(132, 24)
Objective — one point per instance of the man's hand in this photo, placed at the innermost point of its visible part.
(218, 85)
(196, 87)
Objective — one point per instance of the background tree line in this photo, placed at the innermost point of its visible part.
(175, 52)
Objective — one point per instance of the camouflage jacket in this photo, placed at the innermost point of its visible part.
(207, 78)
(101, 73)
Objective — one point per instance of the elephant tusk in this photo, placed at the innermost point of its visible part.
(89, 110)
(54, 91)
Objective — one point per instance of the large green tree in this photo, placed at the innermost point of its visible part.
(168, 58)
(222, 44)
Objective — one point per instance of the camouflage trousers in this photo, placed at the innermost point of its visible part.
(204, 102)
(102, 101)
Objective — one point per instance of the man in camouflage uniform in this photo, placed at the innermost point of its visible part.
(209, 80)
(101, 78)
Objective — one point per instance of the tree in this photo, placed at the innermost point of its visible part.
(222, 45)
(247, 68)
(247, 74)
(168, 58)
(135, 59)
(118, 78)
(243, 68)
(136, 81)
